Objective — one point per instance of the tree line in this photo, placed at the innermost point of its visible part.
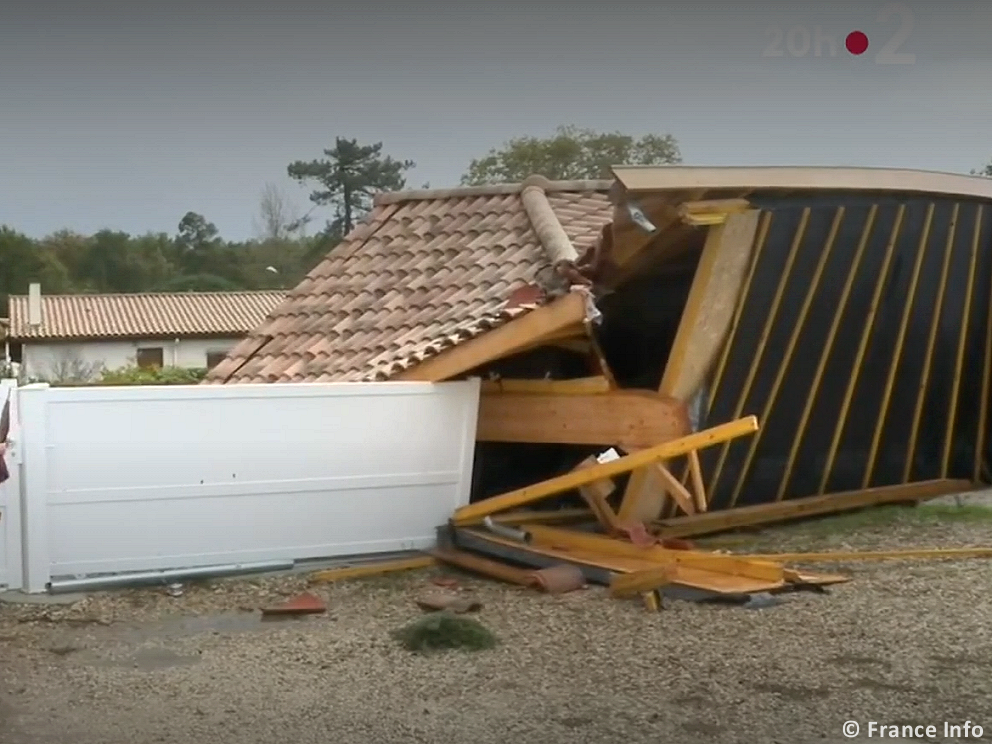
(288, 244)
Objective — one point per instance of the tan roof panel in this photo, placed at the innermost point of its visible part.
(426, 271)
(145, 315)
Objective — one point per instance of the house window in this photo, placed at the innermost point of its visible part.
(214, 358)
(149, 357)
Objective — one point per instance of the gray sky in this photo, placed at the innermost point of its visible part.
(127, 117)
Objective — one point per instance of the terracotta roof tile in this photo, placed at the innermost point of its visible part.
(427, 270)
(143, 315)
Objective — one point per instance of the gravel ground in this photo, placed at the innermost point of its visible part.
(902, 643)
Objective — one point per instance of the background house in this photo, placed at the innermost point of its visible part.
(78, 336)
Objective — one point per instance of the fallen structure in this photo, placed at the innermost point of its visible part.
(801, 316)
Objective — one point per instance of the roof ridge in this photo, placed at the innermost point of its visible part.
(224, 293)
(494, 189)
(552, 236)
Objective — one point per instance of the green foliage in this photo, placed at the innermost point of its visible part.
(569, 154)
(441, 631)
(347, 178)
(137, 376)
(986, 171)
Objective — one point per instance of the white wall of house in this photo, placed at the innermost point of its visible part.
(51, 360)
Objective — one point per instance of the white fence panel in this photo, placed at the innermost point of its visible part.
(10, 496)
(147, 478)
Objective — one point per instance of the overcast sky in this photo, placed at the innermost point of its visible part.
(127, 117)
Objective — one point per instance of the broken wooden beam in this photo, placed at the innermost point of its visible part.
(473, 513)
(781, 511)
(484, 566)
(635, 418)
(853, 556)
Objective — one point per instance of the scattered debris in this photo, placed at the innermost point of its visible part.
(559, 579)
(302, 604)
(447, 582)
(445, 601)
(442, 631)
(174, 590)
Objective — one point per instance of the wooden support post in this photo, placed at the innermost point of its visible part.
(705, 323)
(529, 494)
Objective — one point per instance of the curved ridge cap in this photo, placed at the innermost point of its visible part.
(557, 245)
(493, 189)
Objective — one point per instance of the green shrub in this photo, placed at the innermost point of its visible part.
(442, 630)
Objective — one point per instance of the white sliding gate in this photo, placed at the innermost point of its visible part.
(118, 479)
(10, 496)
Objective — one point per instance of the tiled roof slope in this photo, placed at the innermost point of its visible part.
(426, 271)
(147, 315)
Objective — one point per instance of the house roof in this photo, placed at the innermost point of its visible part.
(427, 270)
(146, 315)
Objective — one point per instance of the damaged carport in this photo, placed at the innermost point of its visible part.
(694, 299)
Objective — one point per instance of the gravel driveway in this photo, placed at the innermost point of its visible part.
(902, 643)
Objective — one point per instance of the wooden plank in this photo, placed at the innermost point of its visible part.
(529, 494)
(695, 471)
(914, 430)
(866, 332)
(638, 582)
(578, 386)
(484, 566)
(853, 556)
(945, 461)
(781, 511)
(602, 545)
(706, 321)
(502, 341)
(797, 328)
(825, 353)
(675, 489)
(890, 380)
(635, 418)
(379, 568)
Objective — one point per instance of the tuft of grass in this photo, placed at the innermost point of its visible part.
(440, 631)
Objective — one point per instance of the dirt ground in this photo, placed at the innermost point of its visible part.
(904, 642)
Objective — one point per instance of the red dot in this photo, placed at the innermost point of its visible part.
(856, 42)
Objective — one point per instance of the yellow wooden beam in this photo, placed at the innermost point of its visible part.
(797, 328)
(578, 386)
(945, 461)
(593, 544)
(874, 555)
(897, 352)
(529, 494)
(825, 353)
(859, 356)
(931, 341)
(532, 516)
(711, 212)
(983, 405)
(762, 343)
(501, 342)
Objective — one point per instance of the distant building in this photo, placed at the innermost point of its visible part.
(56, 337)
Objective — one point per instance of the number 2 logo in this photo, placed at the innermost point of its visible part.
(889, 54)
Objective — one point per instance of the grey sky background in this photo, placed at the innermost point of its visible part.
(127, 116)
